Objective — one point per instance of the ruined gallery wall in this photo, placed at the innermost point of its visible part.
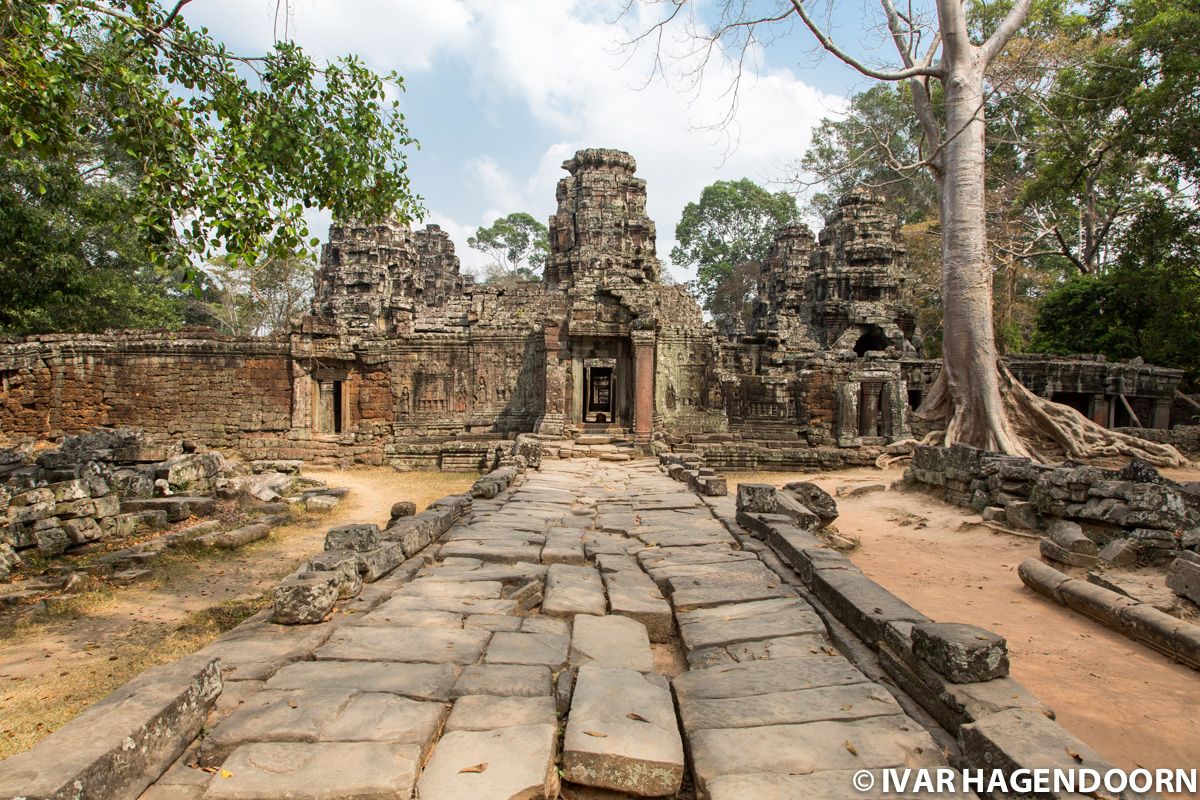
(188, 384)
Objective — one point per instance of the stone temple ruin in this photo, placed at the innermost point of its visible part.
(404, 360)
(511, 638)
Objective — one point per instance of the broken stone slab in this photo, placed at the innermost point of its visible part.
(116, 748)
(1183, 578)
(573, 590)
(359, 538)
(318, 771)
(766, 677)
(517, 763)
(872, 743)
(861, 604)
(1070, 537)
(503, 680)
(1119, 553)
(481, 712)
(633, 594)
(375, 564)
(961, 653)
(1024, 739)
(747, 622)
(305, 598)
(345, 564)
(238, 537)
(612, 641)
(756, 498)
(316, 715)
(321, 503)
(429, 645)
(417, 681)
(622, 734)
(843, 702)
(539, 649)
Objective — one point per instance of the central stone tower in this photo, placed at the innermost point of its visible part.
(601, 227)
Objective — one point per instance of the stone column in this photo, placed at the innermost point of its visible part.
(869, 413)
(553, 416)
(1101, 413)
(1162, 415)
(643, 385)
(847, 413)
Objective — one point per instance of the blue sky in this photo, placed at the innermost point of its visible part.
(500, 92)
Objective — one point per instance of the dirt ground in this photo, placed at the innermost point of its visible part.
(86, 645)
(1132, 705)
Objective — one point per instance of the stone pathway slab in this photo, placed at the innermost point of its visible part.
(431, 645)
(321, 771)
(612, 641)
(508, 764)
(573, 590)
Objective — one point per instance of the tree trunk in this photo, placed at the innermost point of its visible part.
(975, 395)
(967, 392)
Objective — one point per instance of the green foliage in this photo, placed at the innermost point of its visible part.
(873, 145)
(255, 299)
(516, 245)
(1147, 304)
(184, 148)
(731, 227)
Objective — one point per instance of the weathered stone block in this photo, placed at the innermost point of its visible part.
(118, 746)
(1054, 552)
(304, 598)
(756, 498)
(1183, 578)
(359, 538)
(1021, 514)
(961, 653)
(343, 562)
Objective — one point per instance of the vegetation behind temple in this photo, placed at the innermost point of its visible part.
(128, 164)
(134, 147)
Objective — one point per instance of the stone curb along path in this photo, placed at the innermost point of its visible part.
(533, 646)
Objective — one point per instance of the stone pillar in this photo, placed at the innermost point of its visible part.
(1101, 412)
(1162, 415)
(553, 417)
(847, 413)
(869, 412)
(643, 385)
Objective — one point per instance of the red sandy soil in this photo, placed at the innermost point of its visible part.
(1135, 707)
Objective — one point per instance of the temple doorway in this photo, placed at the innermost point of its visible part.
(598, 394)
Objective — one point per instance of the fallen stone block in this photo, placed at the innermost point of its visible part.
(321, 504)
(815, 499)
(239, 537)
(304, 598)
(1183, 578)
(374, 564)
(359, 538)
(1022, 515)
(622, 734)
(1069, 536)
(1119, 553)
(1043, 579)
(343, 562)
(116, 748)
(1024, 739)
(961, 653)
(756, 498)
(1055, 552)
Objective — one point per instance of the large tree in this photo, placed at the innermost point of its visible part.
(516, 246)
(725, 236)
(119, 109)
(975, 397)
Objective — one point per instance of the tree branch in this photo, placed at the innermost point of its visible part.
(1011, 24)
(846, 58)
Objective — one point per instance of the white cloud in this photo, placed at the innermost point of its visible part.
(562, 61)
(404, 35)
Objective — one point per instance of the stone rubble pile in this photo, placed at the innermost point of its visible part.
(112, 483)
(1090, 516)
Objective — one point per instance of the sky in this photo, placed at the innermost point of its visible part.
(500, 92)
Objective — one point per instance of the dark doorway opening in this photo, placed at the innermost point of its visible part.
(1080, 402)
(914, 399)
(598, 393)
(337, 406)
(873, 339)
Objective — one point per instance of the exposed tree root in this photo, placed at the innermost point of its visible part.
(1033, 427)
